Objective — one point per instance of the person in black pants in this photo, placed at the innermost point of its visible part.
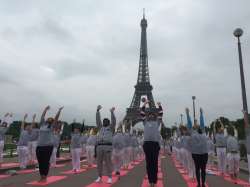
(152, 137)
(45, 143)
(200, 156)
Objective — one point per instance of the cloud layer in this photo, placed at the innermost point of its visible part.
(83, 53)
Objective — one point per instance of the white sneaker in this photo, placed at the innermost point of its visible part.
(98, 180)
(109, 180)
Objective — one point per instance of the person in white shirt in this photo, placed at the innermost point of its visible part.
(4, 126)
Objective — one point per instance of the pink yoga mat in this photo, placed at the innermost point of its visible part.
(26, 171)
(9, 165)
(104, 182)
(4, 176)
(238, 181)
(87, 167)
(58, 166)
(122, 173)
(51, 179)
(73, 172)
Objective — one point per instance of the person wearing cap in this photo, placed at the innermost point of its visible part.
(22, 145)
(221, 149)
(45, 143)
(4, 127)
(90, 147)
(76, 146)
(233, 155)
(104, 144)
(152, 139)
(57, 133)
(118, 151)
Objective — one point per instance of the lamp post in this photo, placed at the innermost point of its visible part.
(238, 33)
(182, 119)
(193, 98)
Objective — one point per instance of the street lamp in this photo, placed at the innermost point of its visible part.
(238, 33)
(193, 97)
(182, 119)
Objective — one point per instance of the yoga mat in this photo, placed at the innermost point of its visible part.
(8, 165)
(50, 180)
(122, 173)
(87, 167)
(4, 176)
(104, 182)
(58, 166)
(238, 181)
(73, 172)
(26, 171)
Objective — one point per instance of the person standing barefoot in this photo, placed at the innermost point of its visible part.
(104, 143)
(45, 143)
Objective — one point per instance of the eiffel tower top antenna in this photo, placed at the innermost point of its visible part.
(143, 13)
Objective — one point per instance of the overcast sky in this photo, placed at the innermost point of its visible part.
(83, 53)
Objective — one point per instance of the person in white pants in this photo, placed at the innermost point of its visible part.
(90, 148)
(233, 155)
(22, 145)
(135, 145)
(4, 126)
(221, 144)
(58, 130)
(84, 139)
(140, 149)
(210, 145)
(32, 144)
(127, 150)
(118, 151)
(76, 146)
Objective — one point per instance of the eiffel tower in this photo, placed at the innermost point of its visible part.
(143, 88)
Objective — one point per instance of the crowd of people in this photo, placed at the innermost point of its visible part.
(108, 143)
(118, 146)
(196, 150)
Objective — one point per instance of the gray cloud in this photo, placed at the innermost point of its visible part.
(84, 53)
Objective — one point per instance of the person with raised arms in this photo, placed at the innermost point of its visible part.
(22, 145)
(32, 144)
(4, 126)
(57, 133)
(221, 148)
(76, 146)
(118, 151)
(233, 155)
(152, 139)
(104, 143)
(45, 143)
(90, 147)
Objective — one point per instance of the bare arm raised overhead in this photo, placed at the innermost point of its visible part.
(23, 122)
(44, 114)
(113, 119)
(98, 117)
(57, 115)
